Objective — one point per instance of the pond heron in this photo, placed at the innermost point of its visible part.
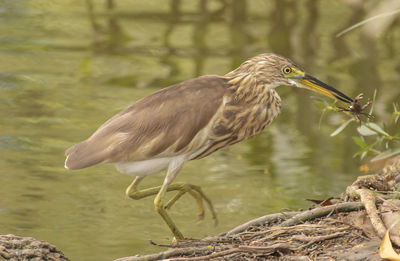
(190, 120)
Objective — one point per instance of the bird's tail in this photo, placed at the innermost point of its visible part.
(83, 155)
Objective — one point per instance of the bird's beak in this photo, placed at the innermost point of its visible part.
(311, 83)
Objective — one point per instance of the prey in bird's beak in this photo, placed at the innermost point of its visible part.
(300, 79)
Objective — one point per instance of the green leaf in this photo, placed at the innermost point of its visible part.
(341, 127)
(348, 29)
(364, 151)
(363, 155)
(376, 128)
(386, 154)
(365, 131)
(360, 142)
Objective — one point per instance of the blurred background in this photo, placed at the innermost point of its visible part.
(67, 66)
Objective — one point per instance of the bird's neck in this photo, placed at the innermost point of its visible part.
(245, 88)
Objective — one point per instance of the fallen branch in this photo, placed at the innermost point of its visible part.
(267, 219)
(320, 212)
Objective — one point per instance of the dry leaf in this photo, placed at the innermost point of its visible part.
(325, 202)
(386, 250)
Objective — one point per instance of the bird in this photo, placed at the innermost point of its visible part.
(190, 120)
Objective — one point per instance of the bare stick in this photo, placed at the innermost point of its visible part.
(320, 212)
(261, 221)
(312, 240)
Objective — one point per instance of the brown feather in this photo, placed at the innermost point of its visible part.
(159, 125)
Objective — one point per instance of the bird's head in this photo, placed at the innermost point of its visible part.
(273, 70)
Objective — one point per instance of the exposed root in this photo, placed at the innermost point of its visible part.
(264, 220)
(320, 212)
(366, 189)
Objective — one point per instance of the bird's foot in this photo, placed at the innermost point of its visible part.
(197, 193)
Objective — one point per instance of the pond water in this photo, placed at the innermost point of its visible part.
(67, 66)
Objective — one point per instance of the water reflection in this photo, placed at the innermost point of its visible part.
(81, 62)
(282, 21)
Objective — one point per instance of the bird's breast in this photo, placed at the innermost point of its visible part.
(245, 120)
(240, 121)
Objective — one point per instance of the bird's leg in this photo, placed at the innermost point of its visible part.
(173, 169)
(195, 191)
(133, 192)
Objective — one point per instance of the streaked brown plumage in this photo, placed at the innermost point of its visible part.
(191, 120)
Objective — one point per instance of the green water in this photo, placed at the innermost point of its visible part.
(67, 66)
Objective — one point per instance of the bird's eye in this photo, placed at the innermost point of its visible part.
(287, 70)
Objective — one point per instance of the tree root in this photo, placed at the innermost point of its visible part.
(362, 189)
(264, 220)
(321, 211)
